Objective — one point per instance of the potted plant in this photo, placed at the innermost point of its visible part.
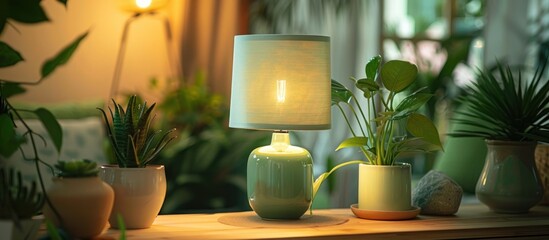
(512, 114)
(77, 185)
(139, 187)
(18, 204)
(381, 136)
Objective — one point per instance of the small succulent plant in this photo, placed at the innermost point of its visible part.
(77, 169)
(17, 199)
(133, 142)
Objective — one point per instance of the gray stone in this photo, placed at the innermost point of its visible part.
(437, 194)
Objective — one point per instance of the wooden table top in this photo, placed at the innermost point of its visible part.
(471, 221)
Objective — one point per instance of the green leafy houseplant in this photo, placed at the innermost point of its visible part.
(132, 141)
(28, 12)
(380, 120)
(17, 200)
(503, 107)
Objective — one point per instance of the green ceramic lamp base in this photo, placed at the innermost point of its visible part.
(280, 179)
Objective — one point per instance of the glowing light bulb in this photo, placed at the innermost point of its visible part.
(280, 91)
(143, 3)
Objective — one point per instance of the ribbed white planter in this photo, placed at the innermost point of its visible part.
(139, 194)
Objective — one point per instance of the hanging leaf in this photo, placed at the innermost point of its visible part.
(26, 11)
(61, 58)
(9, 140)
(64, 2)
(353, 142)
(52, 126)
(322, 177)
(8, 55)
(3, 14)
(397, 75)
(11, 89)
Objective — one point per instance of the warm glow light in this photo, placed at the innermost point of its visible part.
(280, 91)
(143, 3)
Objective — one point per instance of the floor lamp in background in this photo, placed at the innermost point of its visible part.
(138, 8)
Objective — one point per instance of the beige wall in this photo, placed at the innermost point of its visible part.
(88, 75)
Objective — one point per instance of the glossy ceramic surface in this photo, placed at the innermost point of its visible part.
(280, 184)
(139, 194)
(509, 182)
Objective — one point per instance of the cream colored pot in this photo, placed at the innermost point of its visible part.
(139, 194)
(84, 205)
(385, 188)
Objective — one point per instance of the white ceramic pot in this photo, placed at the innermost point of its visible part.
(385, 188)
(29, 229)
(84, 205)
(139, 194)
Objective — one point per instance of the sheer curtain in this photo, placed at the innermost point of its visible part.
(207, 29)
(353, 27)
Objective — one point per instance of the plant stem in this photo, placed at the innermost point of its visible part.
(37, 160)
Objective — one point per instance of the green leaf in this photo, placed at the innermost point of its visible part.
(27, 11)
(52, 126)
(8, 55)
(11, 89)
(353, 142)
(61, 58)
(397, 75)
(372, 66)
(8, 137)
(411, 104)
(367, 85)
(422, 127)
(340, 93)
(64, 2)
(322, 177)
(4, 12)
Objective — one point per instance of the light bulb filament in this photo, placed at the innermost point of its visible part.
(281, 91)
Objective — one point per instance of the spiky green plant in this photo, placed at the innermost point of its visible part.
(17, 200)
(133, 142)
(504, 106)
(77, 168)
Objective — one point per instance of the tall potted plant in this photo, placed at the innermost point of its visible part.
(77, 185)
(19, 202)
(381, 136)
(139, 186)
(512, 114)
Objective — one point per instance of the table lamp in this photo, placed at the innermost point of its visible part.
(280, 83)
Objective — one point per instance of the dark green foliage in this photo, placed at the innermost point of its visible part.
(132, 140)
(77, 169)
(17, 200)
(504, 106)
(207, 171)
(206, 165)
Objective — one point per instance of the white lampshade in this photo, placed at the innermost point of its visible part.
(281, 82)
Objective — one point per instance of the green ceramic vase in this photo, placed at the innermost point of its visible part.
(509, 182)
(280, 183)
